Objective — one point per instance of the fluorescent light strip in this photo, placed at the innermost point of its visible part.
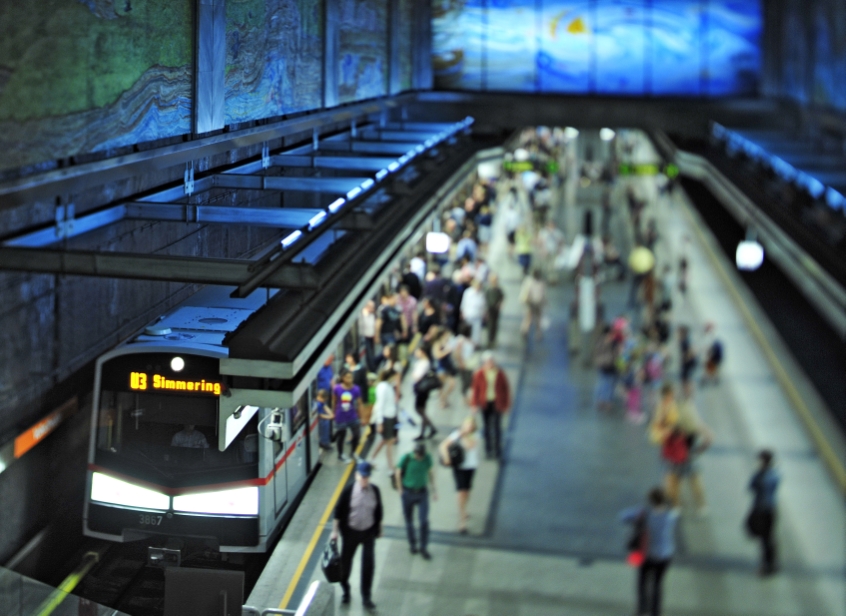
(419, 149)
(336, 205)
(380, 175)
(316, 220)
(354, 193)
(367, 184)
(393, 166)
(293, 237)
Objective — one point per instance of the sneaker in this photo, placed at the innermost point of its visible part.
(345, 600)
(413, 549)
(369, 605)
(425, 554)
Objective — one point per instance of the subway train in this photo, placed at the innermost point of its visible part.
(161, 463)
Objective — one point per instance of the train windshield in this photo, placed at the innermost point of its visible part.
(150, 426)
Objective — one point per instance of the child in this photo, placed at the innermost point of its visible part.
(325, 415)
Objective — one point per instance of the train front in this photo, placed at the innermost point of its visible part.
(156, 471)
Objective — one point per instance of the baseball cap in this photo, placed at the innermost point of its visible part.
(364, 469)
(420, 449)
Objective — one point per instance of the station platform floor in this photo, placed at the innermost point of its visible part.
(544, 531)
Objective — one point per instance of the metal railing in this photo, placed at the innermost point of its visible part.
(319, 600)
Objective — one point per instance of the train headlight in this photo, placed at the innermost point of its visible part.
(106, 489)
(240, 501)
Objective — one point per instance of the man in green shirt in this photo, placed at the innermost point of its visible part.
(414, 473)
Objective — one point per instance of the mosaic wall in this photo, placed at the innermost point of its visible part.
(362, 58)
(88, 75)
(274, 57)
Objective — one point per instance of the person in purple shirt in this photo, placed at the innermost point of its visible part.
(346, 399)
(657, 522)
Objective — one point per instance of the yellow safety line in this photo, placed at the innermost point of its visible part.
(320, 526)
(59, 594)
(817, 434)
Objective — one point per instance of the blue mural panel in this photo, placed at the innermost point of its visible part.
(274, 49)
(621, 43)
(457, 35)
(632, 47)
(363, 70)
(566, 32)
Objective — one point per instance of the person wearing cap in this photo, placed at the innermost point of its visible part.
(413, 476)
(358, 520)
(491, 395)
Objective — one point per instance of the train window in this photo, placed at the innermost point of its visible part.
(170, 439)
(299, 413)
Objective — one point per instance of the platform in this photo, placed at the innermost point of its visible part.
(544, 532)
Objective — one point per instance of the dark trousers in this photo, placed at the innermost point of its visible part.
(341, 436)
(493, 327)
(493, 429)
(768, 547)
(370, 354)
(420, 500)
(351, 540)
(650, 576)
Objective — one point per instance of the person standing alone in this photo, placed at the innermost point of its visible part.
(657, 524)
(358, 520)
(762, 517)
(413, 476)
(493, 302)
(491, 395)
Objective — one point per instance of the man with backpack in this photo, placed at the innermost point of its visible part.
(413, 476)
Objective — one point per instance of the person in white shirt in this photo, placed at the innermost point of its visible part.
(473, 310)
(385, 411)
(463, 472)
(418, 267)
(190, 438)
(367, 330)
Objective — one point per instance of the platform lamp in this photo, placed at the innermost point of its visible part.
(750, 253)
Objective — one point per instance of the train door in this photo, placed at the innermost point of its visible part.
(296, 464)
(280, 478)
(313, 430)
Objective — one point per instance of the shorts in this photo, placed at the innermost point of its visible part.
(445, 365)
(389, 428)
(463, 478)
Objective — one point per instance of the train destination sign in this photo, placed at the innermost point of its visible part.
(141, 381)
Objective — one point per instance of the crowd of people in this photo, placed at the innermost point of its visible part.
(437, 324)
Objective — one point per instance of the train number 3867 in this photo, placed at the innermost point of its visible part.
(150, 520)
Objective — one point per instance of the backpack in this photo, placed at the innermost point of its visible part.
(676, 449)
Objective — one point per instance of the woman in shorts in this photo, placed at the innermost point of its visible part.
(442, 352)
(467, 437)
(385, 414)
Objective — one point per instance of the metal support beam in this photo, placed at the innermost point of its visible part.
(351, 163)
(199, 270)
(333, 186)
(280, 218)
(367, 147)
(379, 134)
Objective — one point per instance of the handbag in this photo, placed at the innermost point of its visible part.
(428, 383)
(754, 523)
(330, 562)
(636, 545)
(456, 454)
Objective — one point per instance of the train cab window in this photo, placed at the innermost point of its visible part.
(171, 439)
